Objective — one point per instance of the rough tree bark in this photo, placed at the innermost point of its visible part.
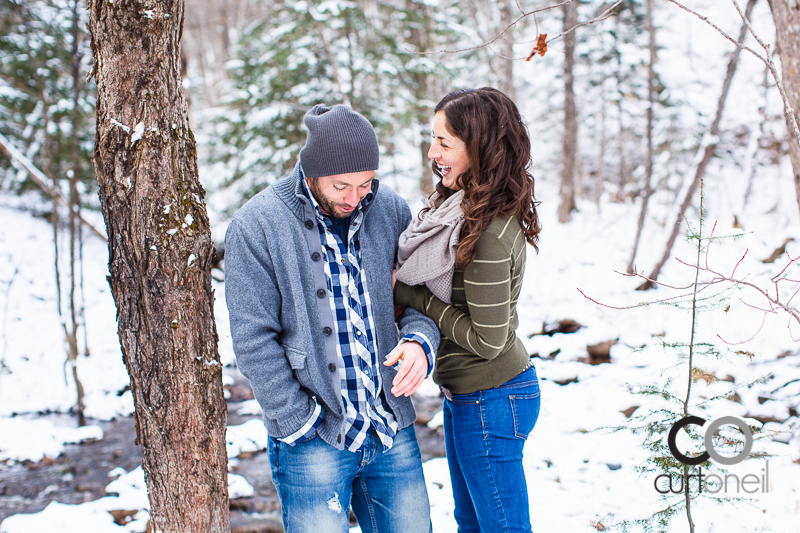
(708, 153)
(160, 252)
(787, 24)
(569, 162)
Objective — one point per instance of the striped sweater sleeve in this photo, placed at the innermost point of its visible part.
(483, 330)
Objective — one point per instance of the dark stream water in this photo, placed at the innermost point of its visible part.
(80, 474)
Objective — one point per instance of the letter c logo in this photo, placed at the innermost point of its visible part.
(673, 448)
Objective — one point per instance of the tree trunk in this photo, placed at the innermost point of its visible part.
(71, 331)
(651, 100)
(708, 153)
(160, 253)
(787, 24)
(569, 163)
(506, 49)
(420, 37)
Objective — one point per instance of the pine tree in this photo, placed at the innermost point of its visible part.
(362, 54)
(36, 93)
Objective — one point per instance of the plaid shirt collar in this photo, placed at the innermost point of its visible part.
(360, 381)
(362, 208)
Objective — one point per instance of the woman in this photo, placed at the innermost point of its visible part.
(462, 263)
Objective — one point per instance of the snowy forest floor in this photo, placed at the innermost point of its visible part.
(581, 477)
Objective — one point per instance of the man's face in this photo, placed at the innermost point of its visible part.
(338, 196)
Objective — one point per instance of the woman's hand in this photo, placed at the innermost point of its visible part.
(413, 370)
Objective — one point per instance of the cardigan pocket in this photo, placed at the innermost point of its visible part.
(297, 359)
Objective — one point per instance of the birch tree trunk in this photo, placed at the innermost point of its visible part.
(569, 162)
(787, 24)
(160, 252)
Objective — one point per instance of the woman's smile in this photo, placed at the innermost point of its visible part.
(448, 152)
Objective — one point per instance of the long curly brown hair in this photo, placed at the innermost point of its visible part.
(498, 180)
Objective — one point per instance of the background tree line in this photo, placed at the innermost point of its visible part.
(252, 68)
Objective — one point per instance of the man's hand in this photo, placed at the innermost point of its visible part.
(413, 370)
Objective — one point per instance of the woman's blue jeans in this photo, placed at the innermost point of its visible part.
(318, 483)
(484, 434)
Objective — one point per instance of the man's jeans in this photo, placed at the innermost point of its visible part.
(484, 434)
(316, 483)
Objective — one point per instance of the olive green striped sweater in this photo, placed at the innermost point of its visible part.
(479, 348)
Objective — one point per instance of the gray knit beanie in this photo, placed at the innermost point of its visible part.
(340, 141)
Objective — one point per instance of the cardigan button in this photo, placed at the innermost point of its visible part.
(326, 330)
(322, 293)
(315, 256)
(331, 367)
(309, 224)
(339, 439)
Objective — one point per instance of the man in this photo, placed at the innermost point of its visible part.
(308, 283)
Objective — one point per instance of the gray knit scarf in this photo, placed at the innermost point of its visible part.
(427, 248)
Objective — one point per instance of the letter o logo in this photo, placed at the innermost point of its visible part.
(710, 452)
(743, 427)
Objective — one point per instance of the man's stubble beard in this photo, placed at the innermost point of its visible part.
(326, 205)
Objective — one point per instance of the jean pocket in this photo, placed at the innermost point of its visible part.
(472, 397)
(525, 411)
(272, 451)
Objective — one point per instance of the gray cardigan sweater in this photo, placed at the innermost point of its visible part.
(280, 318)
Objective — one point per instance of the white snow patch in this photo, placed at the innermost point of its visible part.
(24, 439)
(251, 436)
(138, 131)
(238, 487)
(120, 124)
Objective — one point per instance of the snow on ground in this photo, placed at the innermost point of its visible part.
(127, 493)
(579, 476)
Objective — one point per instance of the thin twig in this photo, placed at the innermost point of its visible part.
(606, 14)
(787, 108)
(790, 114)
(774, 302)
(39, 178)
(763, 320)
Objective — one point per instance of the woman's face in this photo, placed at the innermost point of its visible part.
(448, 151)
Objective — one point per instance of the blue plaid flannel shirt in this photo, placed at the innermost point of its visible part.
(359, 373)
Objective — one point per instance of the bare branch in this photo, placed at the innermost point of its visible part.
(788, 111)
(606, 14)
(775, 306)
(787, 108)
(763, 320)
(637, 274)
(733, 273)
(38, 177)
